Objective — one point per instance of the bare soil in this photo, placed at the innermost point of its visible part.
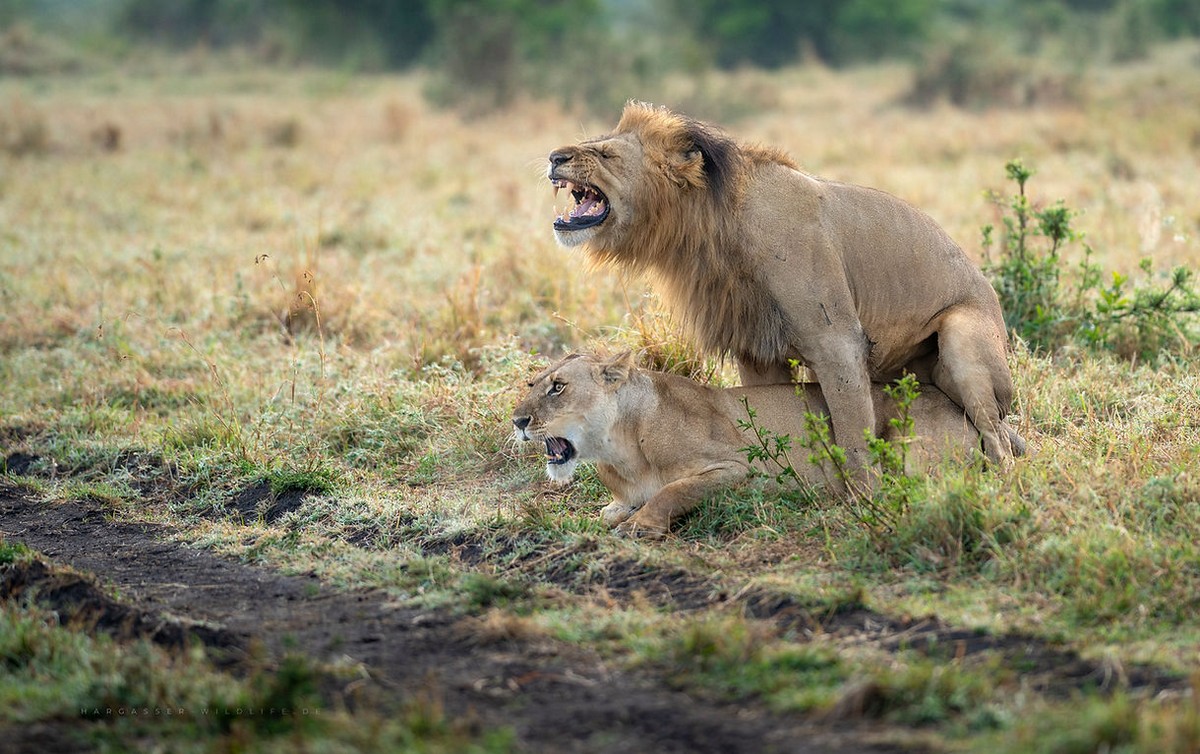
(556, 697)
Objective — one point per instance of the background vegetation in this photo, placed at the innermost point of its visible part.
(271, 247)
(591, 52)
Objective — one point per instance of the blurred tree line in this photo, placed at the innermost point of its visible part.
(770, 33)
(591, 50)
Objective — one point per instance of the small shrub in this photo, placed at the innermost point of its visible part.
(23, 129)
(1110, 724)
(285, 133)
(1026, 278)
(1143, 320)
(26, 52)
(879, 511)
(897, 489)
(11, 552)
(285, 691)
(484, 590)
(977, 73)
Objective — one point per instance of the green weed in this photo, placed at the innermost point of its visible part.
(1148, 320)
(878, 511)
(12, 552)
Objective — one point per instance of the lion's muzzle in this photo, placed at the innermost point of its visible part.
(559, 450)
(588, 209)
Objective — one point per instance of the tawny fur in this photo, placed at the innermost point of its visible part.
(768, 264)
(662, 443)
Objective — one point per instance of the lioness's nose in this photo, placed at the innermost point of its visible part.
(558, 157)
(521, 422)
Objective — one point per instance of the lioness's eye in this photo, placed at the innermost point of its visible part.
(556, 387)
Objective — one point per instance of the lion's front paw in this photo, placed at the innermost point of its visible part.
(615, 513)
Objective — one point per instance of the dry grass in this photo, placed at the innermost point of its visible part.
(256, 273)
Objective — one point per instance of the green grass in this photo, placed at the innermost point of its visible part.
(155, 364)
(1119, 724)
(134, 691)
(12, 552)
(736, 659)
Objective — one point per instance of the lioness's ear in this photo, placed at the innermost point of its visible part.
(617, 369)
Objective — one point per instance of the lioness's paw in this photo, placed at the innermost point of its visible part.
(644, 527)
(615, 513)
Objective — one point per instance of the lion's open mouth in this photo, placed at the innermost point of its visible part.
(559, 450)
(589, 207)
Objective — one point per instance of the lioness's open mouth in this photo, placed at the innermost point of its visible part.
(590, 207)
(559, 450)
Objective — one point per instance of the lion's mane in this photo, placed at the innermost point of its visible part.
(687, 233)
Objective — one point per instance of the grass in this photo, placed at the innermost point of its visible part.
(134, 691)
(332, 287)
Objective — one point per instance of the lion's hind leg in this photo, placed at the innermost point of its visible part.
(971, 368)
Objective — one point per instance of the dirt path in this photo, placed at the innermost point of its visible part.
(557, 698)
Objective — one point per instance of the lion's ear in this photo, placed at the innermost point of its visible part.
(687, 169)
(713, 159)
(616, 370)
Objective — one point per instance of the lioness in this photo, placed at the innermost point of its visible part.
(772, 265)
(661, 442)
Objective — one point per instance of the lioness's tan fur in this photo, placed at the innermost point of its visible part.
(768, 264)
(662, 442)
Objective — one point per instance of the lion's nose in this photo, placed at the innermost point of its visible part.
(521, 422)
(558, 157)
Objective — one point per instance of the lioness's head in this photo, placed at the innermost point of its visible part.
(638, 176)
(571, 407)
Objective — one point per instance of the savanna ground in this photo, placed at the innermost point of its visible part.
(261, 335)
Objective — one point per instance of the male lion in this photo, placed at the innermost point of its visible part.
(772, 265)
(662, 442)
